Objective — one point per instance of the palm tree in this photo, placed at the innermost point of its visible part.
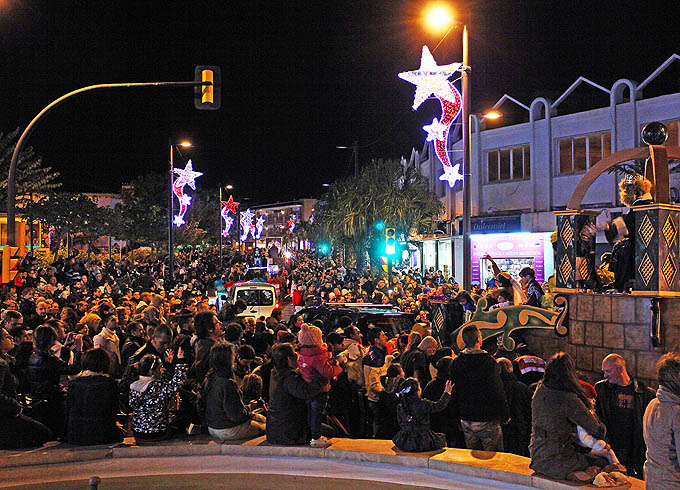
(386, 191)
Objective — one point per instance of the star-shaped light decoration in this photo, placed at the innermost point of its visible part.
(230, 204)
(187, 175)
(451, 174)
(178, 220)
(185, 199)
(436, 130)
(430, 79)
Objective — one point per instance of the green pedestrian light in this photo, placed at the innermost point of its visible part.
(380, 225)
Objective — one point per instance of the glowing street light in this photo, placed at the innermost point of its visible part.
(492, 115)
(438, 17)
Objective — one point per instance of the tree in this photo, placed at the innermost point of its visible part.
(386, 191)
(71, 213)
(31, 176)
(142, 217)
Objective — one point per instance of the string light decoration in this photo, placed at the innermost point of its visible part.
(259, 226)
(432, 79)
(246, 223)
(292, 222)
(185, 176)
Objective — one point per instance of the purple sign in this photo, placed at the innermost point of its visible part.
(512, 252)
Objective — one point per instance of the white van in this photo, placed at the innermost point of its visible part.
(260, 298)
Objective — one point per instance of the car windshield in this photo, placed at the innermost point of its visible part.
(256, 297)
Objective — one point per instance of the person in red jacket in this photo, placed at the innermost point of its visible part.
(315, 361)
(298, 297)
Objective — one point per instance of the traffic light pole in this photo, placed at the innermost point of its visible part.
(11, 179)
(171, 225)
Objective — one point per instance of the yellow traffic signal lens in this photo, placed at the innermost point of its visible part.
(208, 91)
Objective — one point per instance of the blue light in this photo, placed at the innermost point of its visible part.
(379, 225)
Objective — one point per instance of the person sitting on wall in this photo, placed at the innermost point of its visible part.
(634, 191)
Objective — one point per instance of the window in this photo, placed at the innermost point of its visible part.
(256, 297)
(578, 154)
(504, 164)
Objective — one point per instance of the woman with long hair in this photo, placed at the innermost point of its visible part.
(92, 402)
(558, 407)
(222, 405)
(44, 371)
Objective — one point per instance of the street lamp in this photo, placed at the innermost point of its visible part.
(355, 151)
(437, 17)
(171, 231)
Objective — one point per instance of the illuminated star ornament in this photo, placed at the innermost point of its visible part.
(231, 205)
(432, 79)
(246, 223)
(185, 176)
(435, 131)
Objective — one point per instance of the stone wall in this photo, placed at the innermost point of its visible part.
(600, 324)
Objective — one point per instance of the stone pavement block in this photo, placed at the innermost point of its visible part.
(670, 311)
(158, 450)
(594, 334)
(671, 337)
(602, 308)
(646, 364)
(612, 335)
(585, 307)
(631, 364)
(577, 332)
(52, 455)
(637, 336)
(584, 358)
(623, 309)
(642, 313)
(508, 468)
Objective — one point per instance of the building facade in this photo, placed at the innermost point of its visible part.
(523, 172)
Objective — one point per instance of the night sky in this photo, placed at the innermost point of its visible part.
(298, 78)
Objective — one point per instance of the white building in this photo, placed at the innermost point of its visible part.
(524, 172)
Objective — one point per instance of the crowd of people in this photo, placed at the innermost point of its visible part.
(92, 352)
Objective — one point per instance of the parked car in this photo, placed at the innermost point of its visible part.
(386, 317)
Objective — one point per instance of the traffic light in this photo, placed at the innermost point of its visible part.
(390, 241)
(208, 97)
(10, 263)
(380, 225)
(323, 248)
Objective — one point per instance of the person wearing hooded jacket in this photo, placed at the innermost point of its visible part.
(288, 392)
(661, 427)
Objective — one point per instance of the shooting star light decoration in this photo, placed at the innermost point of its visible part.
(432, 79)
(246, 223)
(259, 226)
(228, 206)
(185, 176)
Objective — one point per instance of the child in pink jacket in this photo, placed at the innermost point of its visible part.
(315, 360)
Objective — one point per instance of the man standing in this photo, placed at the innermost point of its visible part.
(376, 361)
(479, 394)
(621, 404)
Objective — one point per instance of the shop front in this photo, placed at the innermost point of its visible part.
(512, 252)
